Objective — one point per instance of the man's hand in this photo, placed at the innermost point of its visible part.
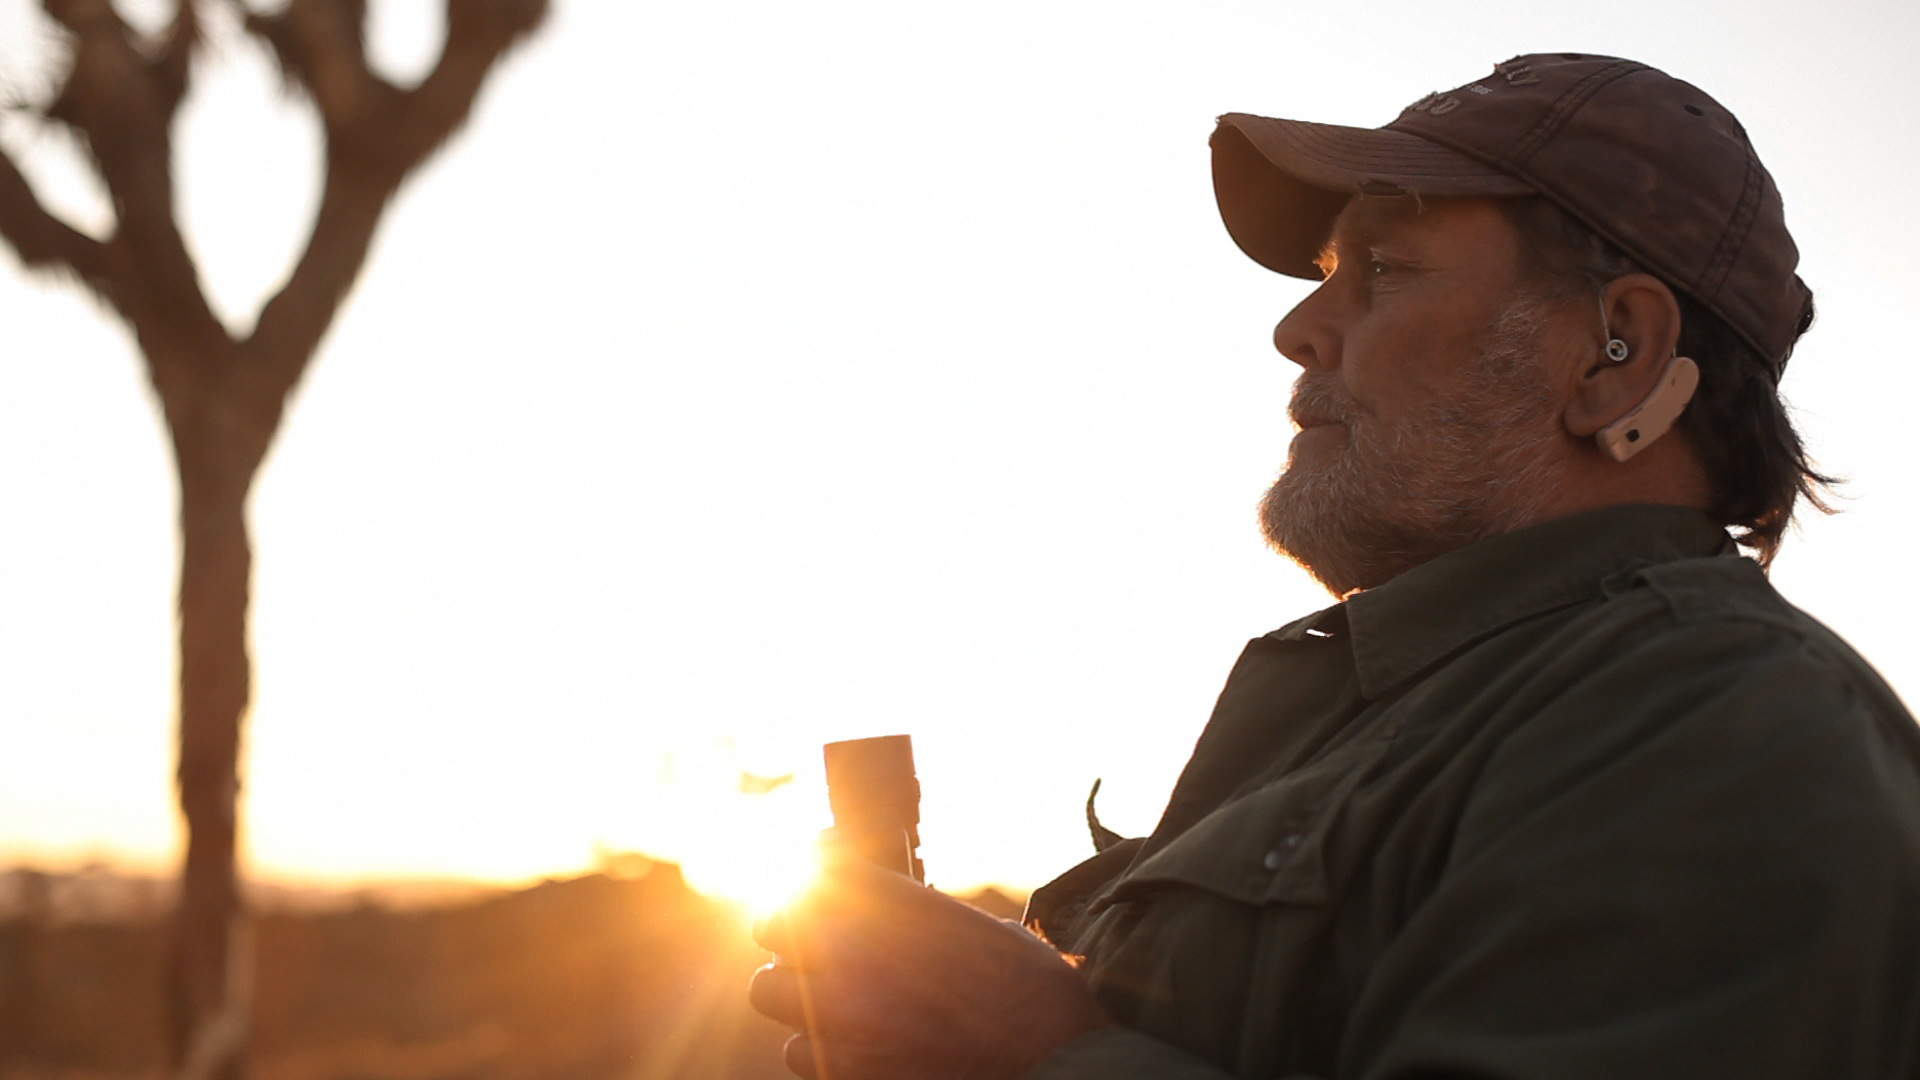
(885, 979)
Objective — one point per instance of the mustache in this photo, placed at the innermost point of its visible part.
(1318, 398)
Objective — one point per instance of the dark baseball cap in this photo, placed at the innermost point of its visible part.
(1648, 161)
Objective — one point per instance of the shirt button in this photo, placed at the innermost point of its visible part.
(1281, 852)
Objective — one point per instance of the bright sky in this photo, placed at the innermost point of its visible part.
(751, 375)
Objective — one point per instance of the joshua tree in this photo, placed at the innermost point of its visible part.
(223, 395)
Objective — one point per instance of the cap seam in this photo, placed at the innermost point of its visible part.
(1664, 270)
(1523, 149)
(1323, 147)
(1734, 237)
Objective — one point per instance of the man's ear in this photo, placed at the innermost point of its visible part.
(1640, 311)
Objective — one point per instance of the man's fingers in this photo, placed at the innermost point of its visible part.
(802, 1057)
(812, 1004)
(849, 893)
(836, 895)
(809, 1004)
(844, 869)
(775, 993)
(815, 1059)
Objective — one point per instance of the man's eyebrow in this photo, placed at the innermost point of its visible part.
(1355, 228)
(1360, 225)
(1365, 219)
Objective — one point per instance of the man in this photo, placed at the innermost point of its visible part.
(1561, 787)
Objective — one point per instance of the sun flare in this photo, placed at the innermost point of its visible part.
(753, 875)
(745, 836)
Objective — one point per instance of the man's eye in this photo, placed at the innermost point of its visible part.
(1376, 268)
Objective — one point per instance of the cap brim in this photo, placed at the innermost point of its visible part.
(1280, 183)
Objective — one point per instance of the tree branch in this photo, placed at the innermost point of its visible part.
(44, 242)
(123, 102)
(173, 62)
(376, 136)
(479, 32)
(320, 46)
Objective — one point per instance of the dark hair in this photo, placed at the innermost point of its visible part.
(1737, 422)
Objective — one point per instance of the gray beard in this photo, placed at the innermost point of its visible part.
(1468, 469)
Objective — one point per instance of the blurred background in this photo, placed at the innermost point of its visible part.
(750, 375)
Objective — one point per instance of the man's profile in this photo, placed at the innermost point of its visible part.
(1560, 787)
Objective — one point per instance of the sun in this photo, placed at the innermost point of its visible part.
(741, 837)
(752, 872)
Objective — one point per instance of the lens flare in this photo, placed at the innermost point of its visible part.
(745, 836)
(753, 858)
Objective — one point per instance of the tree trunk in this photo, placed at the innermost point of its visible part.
(223, 398)
(219, 439)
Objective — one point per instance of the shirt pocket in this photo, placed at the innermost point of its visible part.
(1268, 846)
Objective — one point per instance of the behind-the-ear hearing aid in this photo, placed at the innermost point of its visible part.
(1655, 415)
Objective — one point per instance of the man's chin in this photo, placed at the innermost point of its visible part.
(1300, 523)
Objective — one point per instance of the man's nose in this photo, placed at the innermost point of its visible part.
(1306, 337)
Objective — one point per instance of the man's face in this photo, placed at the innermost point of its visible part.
(1427, 417)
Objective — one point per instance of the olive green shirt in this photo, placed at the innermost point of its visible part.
(1585, 800)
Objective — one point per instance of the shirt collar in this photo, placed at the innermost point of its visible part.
(1405, 625)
